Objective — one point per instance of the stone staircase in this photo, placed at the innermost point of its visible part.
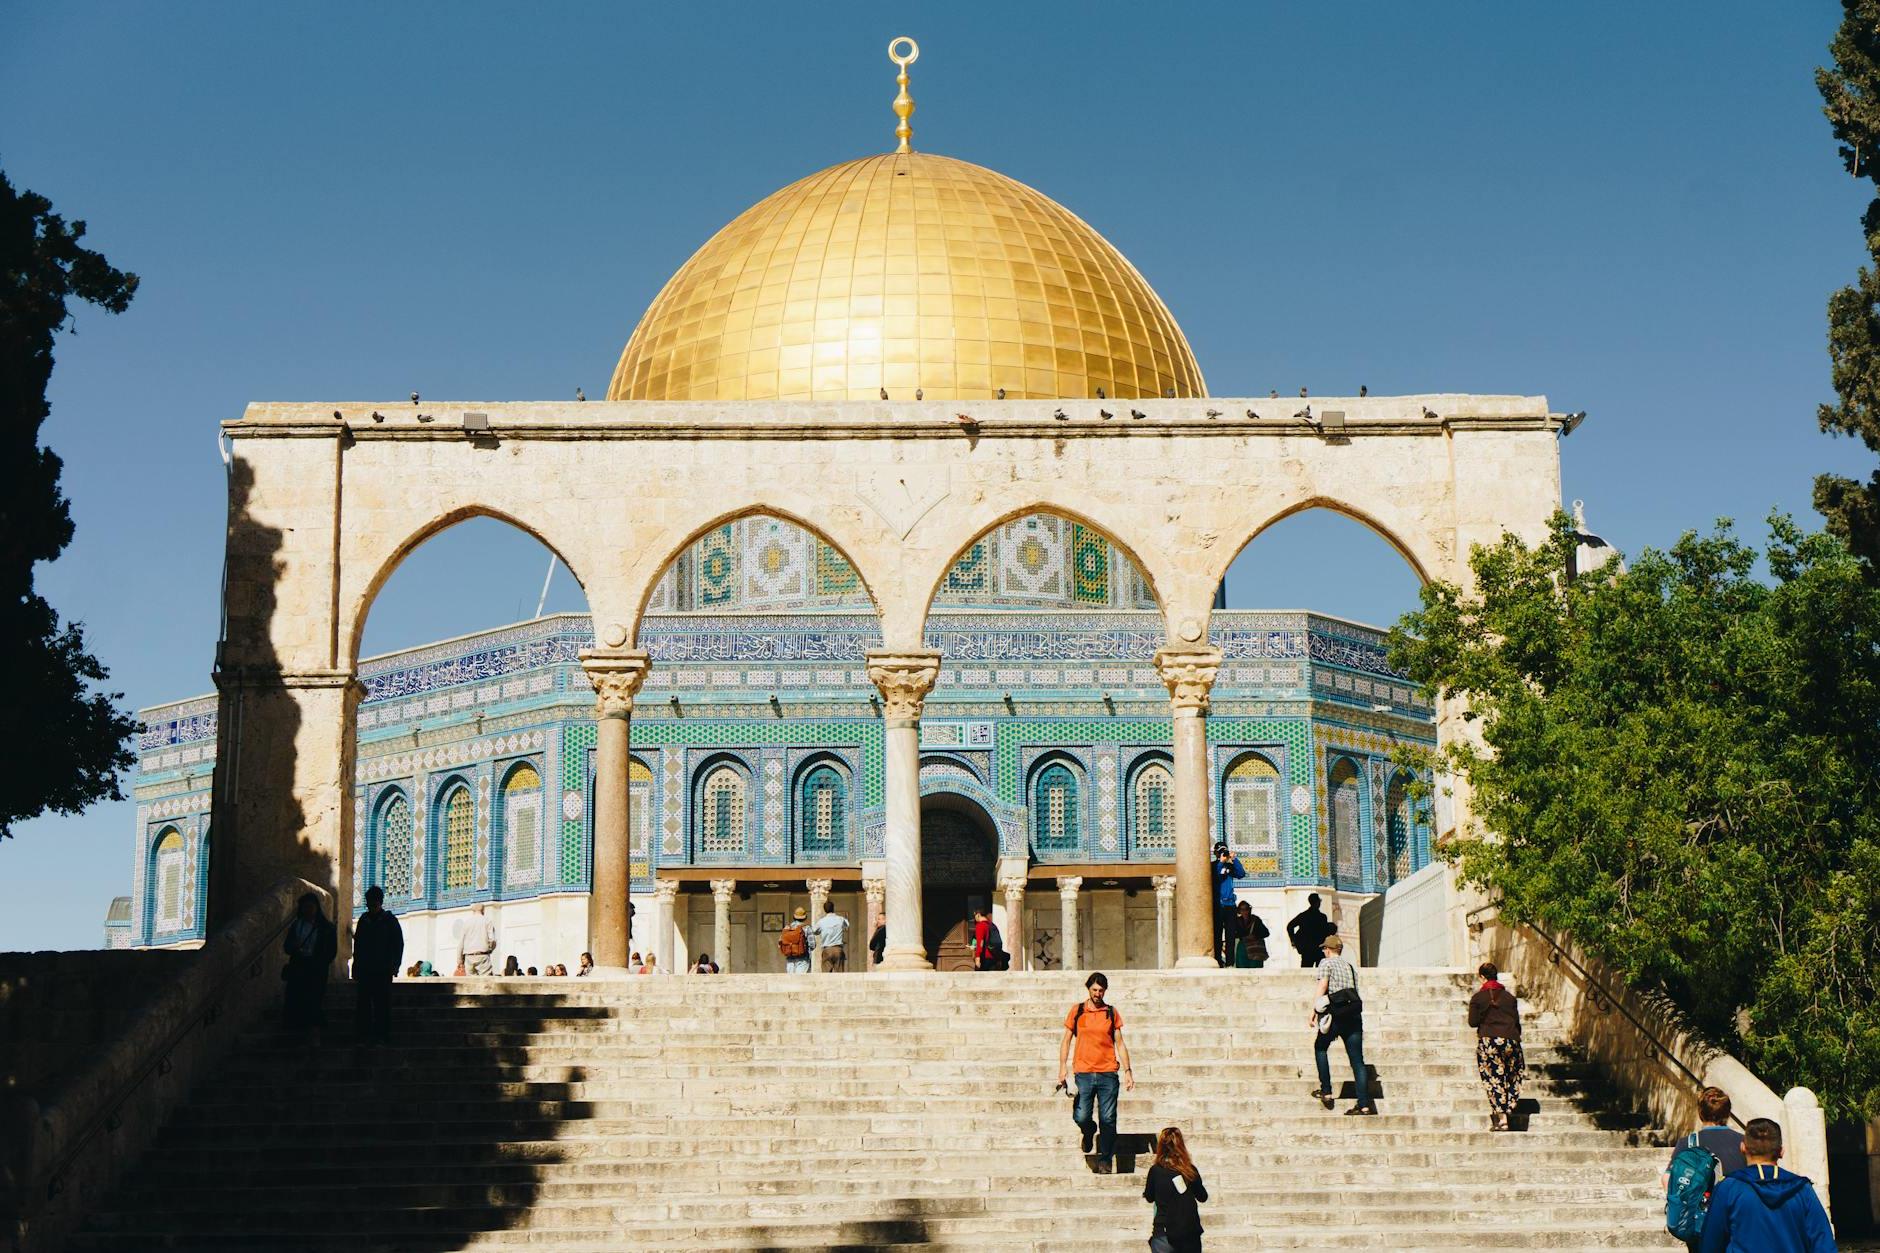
(883, 1113)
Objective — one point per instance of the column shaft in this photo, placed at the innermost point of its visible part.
(1164, 921)
(721, 923)
(904, 680)
(1067, 921)
(616, 676)
(1189, 674)
(818, 896)
(1014, 887)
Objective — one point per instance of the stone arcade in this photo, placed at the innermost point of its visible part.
(901, 530)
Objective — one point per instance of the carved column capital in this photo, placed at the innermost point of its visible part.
(616, 674)
(904, 680)
(1070, 885)
(1014, 884)
(1189, 675)
(875, 891)
(665, 891)
(723, 890)
(1164, 887)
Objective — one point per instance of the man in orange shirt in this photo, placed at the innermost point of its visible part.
(1098, 1031)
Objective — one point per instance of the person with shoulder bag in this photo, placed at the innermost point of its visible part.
(1338, 1014)
(1174, 1187)
(1097, 1030)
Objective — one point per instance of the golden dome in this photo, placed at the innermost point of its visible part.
(906, 271)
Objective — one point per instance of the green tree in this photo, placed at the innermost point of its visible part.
(68, 740)
(1851, 92)
(1681, 766)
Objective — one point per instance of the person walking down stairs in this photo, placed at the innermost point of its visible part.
(1174, 1187)
(378, 947)
(311, 945)
(1337, 1014)
(1496, 1017)
(1097, 1030)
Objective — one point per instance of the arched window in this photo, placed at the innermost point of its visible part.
(1054, 810)
(1398, 831)
(522, 822)
(460, 840)
(1250, 809)
(1342, 800)
(721, 812)
(640, 805)
(167, 867)
(395, 847)
(822, 814)
(1152, 818)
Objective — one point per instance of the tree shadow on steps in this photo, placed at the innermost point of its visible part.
(902, 1221)
(417, 1146)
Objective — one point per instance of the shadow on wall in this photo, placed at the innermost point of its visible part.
(421, 1145)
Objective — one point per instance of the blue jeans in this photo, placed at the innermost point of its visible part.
(1099, 1087)
(1354, 1051)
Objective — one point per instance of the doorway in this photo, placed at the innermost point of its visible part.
(959, 861)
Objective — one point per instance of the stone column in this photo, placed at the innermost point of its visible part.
(665, 896)
(874, 893)
(904, 680)
(616, 675)
(1068, 888)
(1165, 920)
(1013, 885)
(818, 893)
(1189, 674)
(722, 891)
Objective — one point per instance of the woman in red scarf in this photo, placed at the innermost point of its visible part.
(1496, 1017)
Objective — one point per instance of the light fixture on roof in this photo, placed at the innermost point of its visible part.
(476, 424)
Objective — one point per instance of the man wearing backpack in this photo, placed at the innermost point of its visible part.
(1763, 1208)
(794, 944)
(1714, 1151)
(1097, 1030)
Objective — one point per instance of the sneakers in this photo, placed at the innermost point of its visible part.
(1090, 1140)
(1324, 1098)
(1367, 1111)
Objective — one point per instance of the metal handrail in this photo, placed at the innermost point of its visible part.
(204, 1014)
(1604, 996)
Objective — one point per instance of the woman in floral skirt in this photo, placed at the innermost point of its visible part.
(1496, 1017)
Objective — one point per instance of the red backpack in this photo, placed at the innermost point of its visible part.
(793, 943)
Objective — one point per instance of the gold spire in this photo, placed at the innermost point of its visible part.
(903, 103)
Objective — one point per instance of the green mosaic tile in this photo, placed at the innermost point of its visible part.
(717, 733)
(576, 739)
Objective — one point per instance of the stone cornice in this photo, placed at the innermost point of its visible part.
(1432, 415)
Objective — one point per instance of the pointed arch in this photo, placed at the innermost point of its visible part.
(1057, 792)
(1152, 807)
(721, 809)
(169, 854)
(700, 534)
(1419, 566)
(392, 831)
(359, 609)
(1344, 823)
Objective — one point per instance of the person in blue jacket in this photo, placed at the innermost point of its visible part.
(1763, 1208)
(1227, 868)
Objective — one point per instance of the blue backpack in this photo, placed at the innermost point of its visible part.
(1692, 1174)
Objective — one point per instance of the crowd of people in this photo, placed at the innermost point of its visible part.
(1725, 1190)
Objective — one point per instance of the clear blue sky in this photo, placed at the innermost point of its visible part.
(1634, 209)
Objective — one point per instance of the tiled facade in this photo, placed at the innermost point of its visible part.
(474, 774)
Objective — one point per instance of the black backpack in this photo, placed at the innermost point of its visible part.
(1077, 1018)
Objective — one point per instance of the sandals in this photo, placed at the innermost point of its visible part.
(1325, 1098)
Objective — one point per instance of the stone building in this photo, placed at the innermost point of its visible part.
(757, 763)
(902, 529)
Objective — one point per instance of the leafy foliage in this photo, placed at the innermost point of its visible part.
(68, 740)
(1681, 762)
(1851, 95)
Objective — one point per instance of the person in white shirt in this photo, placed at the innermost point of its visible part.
(831, 937)
(476, 943)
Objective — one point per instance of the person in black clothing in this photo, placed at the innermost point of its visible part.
(1174, 1187)
(878, 942)
(1307, 931)
(311, 945)
(378, 947)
